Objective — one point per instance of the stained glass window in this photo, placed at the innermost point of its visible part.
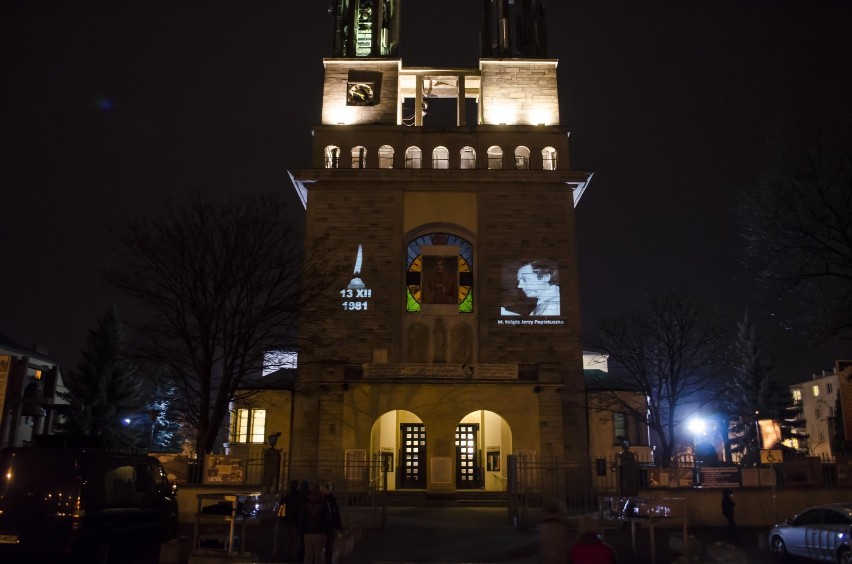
(414, 264)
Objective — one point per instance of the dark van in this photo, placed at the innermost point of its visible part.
(76, 504)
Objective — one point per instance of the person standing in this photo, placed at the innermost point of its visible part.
(334, 524)
(728, 512)
(314, 519)
(290, 522)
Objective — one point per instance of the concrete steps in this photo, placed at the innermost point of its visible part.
(460, 498)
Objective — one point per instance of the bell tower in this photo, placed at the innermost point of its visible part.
(450, 337)
(365, 28)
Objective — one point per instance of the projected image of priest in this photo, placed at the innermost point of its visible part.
(539, 280)
(441, 280)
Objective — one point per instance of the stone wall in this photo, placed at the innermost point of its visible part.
(519, 92)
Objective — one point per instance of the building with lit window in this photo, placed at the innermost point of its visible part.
(815, 403)
(30, 384)
(450, 336)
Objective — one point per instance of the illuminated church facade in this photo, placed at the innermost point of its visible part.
(449, 337)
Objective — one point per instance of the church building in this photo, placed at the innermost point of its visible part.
(449, 335)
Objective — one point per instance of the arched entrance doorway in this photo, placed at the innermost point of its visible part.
(483, 439)
(399, 439)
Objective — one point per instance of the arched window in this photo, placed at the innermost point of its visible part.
(332, 156)
(413, 157)
(468, 158)
(440, 158)
(495, 158)
(522, 158)
(385, 156)
(359, 157)
(436, 276)
(548, 158)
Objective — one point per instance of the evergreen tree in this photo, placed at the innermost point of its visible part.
(166, 432)
(104, 389)
(752, 394)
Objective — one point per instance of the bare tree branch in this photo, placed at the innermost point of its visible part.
(222, 285)
(672, 350)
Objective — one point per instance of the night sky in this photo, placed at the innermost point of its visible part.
(109, 108)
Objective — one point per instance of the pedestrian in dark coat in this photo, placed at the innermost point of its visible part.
(291, 502)
(334, 524)
(728, 512)
(314, 519)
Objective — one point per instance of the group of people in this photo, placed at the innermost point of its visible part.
(310, 517)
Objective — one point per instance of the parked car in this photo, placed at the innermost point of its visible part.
(76, 504)
(821, 532)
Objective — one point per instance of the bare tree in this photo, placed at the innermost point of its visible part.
(222, 285)
(797, 225)
(672, 350)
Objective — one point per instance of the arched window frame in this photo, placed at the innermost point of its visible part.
(467, 158)
(413, 157)
(548, 158)
(385, 156)
(359, 156)
(440, 158)
(522, 158)
(495, 157)
(414, 264)
(331, 156)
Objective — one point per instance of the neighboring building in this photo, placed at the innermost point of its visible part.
(815, 404)
(30, 383)
(451, 336)
(611, 413)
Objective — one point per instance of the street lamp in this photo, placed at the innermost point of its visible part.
(698, 427)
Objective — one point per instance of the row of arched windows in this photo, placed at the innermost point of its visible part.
(441, 157)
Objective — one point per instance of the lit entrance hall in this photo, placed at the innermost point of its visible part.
(482, 440)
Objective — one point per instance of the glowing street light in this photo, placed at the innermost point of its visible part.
(697, 426)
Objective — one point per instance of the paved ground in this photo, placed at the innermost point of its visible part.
(484, 535)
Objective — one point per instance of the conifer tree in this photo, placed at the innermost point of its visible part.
(752, 394)
(104, 389)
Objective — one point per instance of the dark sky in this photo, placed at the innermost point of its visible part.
(108, 108)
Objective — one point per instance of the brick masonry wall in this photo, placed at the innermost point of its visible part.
(523, 89)
(336, 83)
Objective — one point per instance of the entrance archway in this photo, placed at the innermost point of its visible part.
(483, 440)
(398, 438)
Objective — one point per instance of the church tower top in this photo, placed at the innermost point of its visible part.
(365, 28)
(514, 28)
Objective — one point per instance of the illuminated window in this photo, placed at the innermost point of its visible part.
(619, 426)
(463, 272)
(815, 390)
(522, 158)
(385, 156)
(495, 158)
(413, 157)
(37, 374)
(359, 157)
(332, 157)
(548, 158)
(797, 394)
(249, 426)
(468, 158)
(440, 158)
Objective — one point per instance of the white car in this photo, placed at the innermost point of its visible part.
(821, 532)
